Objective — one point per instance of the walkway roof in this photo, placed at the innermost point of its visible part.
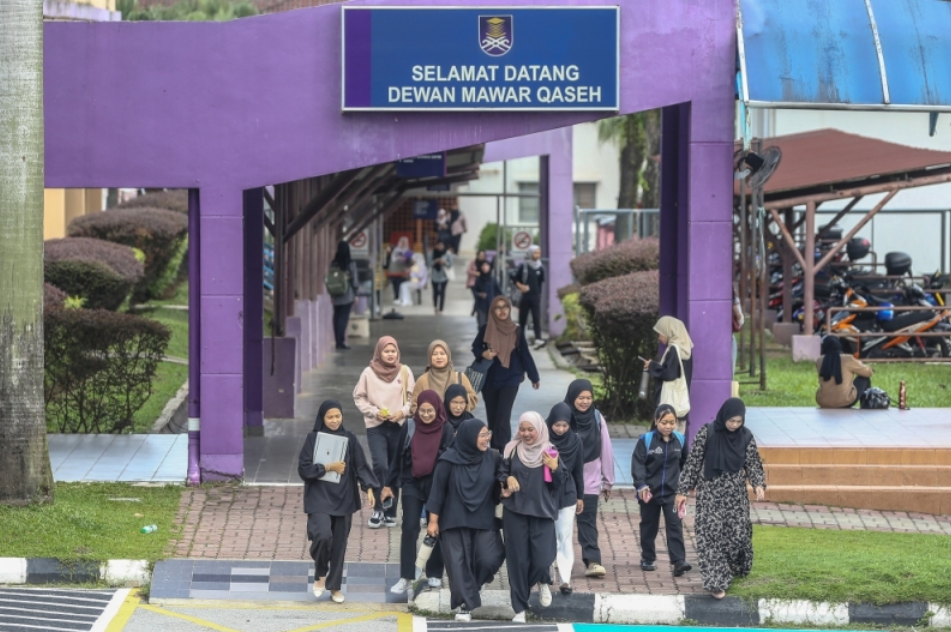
(854, 54)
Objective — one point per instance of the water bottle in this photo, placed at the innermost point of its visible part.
(152, 528)
(645, 384)
(425, 551)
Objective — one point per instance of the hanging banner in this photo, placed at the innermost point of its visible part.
(490, 58)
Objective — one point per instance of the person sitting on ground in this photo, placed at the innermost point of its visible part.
(418, 280)
(842, 378)
(440, 374)
(659, 456)
(330, 505)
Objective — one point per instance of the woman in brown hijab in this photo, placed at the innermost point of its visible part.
(503, 343)
(441, 374)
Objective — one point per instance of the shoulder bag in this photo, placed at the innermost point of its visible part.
(675, 392)
(477, 373)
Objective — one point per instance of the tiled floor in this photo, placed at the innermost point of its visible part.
(127, 458)
(850, 428)
(364, 582)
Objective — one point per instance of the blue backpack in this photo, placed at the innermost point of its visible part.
(649, 436)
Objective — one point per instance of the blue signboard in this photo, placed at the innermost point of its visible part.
(425, 166)
(489, 58)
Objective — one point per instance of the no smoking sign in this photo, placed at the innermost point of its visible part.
(359, 244)
(522, 241)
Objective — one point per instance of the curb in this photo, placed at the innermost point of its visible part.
(49, 570)
(698, 609)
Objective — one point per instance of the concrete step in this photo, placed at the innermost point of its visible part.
(925, 500)
(859, 475)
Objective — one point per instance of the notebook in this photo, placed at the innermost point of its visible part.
(329, 449)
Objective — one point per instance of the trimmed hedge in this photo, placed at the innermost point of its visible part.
(53, 297)
(174, 200)
(99, 368)
(100, 286)
(633, 255)
(621, 313)
(156, 232)
(118, 257)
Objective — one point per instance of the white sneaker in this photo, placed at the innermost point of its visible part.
(540, 343)
(401, 586)
(318, 589)
(376, 520)
(519, 618)
(435, 582)
(544, 595)
(463, 615)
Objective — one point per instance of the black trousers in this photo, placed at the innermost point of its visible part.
(439, 294)
(650, 524)
(384, 443)
(530, 549)
(531, 305)
(328, 546)
(588, 530)
(498, 410)
(412, 510)
(397, 282)
(456, 241)
(861, 384)
(472, 557)
(341, 318)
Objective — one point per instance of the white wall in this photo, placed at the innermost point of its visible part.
(919, 236)
(593, 162)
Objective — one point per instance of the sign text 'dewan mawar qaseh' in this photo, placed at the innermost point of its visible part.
(489, 58)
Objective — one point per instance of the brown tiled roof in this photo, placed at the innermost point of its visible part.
(830, 156)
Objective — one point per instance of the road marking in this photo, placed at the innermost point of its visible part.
(177, 615)
(52, 609)
(123, 611)
(336, 622)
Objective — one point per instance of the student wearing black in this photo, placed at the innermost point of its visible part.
(672, 333)
(531, 508)
(343, 303)
(423, 438)
(503, 343)
(529, 278)
(571, 499)
(465, 493)
(330, 506)
(456, 403)
(658, 458)
(485, 289)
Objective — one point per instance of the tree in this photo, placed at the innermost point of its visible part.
(186, 10)
(25, 474)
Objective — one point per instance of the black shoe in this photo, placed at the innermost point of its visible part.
(648, 566)
(565, 589)
(342, 347)
(680, 568)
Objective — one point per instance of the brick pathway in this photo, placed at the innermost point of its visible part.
(267, 523)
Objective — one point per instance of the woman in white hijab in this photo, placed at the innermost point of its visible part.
(418, 278)
(672, 333)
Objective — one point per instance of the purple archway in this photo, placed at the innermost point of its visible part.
(227, 107)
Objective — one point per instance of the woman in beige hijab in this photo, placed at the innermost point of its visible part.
(671, 333)
(440, 375)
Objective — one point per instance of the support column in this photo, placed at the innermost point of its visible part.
(673, 162)
(559, 224)
(194, 338)
(221, 330)
(253, 312)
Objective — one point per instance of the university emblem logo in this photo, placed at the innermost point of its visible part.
(496, 35)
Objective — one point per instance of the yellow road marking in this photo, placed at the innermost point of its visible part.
(200, 622)
(404, 622)
(125, 613)
(330, 624)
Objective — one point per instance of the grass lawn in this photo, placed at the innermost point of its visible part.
(168, 379)
(179, 297)
(838, 566)
(794, 384)
(84, 523)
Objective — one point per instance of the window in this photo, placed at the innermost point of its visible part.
(528, 207)
(586, 194)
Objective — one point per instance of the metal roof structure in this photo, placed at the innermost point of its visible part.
(846, 54)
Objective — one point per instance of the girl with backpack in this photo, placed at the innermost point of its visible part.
(422, 440)
(658, 458)
(673, 373)
(440, 375)
(341, 283)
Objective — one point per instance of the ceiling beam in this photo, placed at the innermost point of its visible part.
(324, 197)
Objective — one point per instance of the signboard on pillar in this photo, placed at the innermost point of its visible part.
(360, 244)
(490, 58)
(425, 166)
(522, 240)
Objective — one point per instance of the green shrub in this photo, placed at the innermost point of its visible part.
(156, 232)
(97, 283)
(576, 326)
(121, 259)
(173, 200)
(53, 297)
(99, 368)
(621, 313)
(633, 255)
(176, 267)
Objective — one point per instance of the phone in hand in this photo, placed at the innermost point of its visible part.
(388, 503)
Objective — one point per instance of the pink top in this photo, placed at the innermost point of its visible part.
(599, 474)
(371, 394)
(472, 273)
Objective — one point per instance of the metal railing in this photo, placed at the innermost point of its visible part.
(941, 312)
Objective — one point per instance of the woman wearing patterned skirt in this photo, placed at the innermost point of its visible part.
(723, 457)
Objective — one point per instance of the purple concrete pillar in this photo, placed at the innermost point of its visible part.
(221, 330)
(560, 198)
(253, 311)
(673, 211)
(194, 337)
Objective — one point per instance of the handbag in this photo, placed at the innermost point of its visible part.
(675, 392)
(477, 373)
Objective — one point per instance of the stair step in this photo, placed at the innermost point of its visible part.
(927, 500)
(857, 474)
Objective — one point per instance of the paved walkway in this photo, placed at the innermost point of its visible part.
(267, 523)
(124, 458)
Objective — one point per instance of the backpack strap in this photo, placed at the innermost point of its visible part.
(648, 438)
(410, 431)
(680, 438)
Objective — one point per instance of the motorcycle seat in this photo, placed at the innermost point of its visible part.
(909, 318)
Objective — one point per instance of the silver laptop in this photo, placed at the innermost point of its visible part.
(330, 449)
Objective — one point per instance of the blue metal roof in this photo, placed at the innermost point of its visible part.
(861, 54)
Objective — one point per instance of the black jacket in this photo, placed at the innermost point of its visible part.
(520, 362)
(335, 499)
(531, 277)
(668, 371)
(658, 465)
(400, 475)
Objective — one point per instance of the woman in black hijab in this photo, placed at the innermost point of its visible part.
(330, 505)
(343, 303)
(461, 509)
(571, 502)
(456, 403)
(723, 457)
(598, 458)
(842, 378)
